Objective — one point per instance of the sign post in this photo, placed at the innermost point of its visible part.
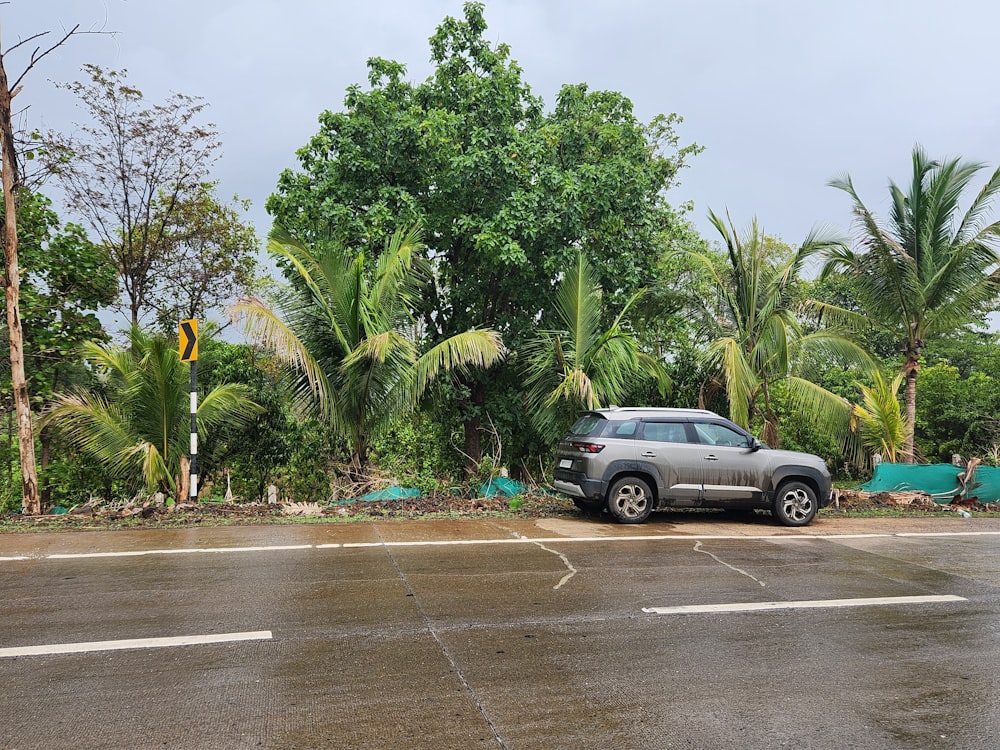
(188, 338)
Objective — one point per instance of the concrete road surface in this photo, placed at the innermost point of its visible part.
(508, 634)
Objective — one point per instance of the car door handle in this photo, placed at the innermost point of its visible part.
(711, 457)
(648, 454)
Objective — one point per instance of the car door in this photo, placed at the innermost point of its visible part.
(671, 449)
(731, 469)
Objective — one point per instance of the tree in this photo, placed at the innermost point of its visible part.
(11, 272)
(140, 429)
(350, 335)
(65, 280)
(880, 420)
(131, 175)
(581, 366)
(756, 337)
(506, 194)
(930, 269)
(212, 252)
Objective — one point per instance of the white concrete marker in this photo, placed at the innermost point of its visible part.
(135, 643)
(808, 604)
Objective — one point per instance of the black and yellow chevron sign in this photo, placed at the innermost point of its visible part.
(189, 341)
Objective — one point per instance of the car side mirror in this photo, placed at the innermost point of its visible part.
(755, 445)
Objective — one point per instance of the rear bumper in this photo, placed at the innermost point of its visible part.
(576, 484)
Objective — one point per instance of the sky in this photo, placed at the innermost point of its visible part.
(784, 95)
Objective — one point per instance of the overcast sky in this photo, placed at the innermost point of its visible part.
(783, 94)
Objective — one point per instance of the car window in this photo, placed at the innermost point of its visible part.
(718, 434)
(621, 429)
(586, 425)
(664, 432)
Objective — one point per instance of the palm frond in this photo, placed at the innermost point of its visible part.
(480, 348)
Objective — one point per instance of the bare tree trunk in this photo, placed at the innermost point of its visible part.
(12, 289)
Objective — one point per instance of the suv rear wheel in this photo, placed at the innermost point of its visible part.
(795, 504)
(630, 500)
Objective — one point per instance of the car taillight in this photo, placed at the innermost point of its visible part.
(587, 447)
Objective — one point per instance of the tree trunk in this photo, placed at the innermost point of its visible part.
(473, 428)
(12, 290)
(45, 489)
(910, 368)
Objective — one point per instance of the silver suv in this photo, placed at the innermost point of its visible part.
(633, 461)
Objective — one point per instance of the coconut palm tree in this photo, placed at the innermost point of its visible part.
(138, 425)
(579, 365)
(349, 335)
(931, 269)
(879, 417)
(756, 335)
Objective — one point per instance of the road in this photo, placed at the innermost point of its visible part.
(504, 634)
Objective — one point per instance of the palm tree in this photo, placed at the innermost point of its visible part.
(349, 335)
(756, 335)
(879, 417)
(931, 269)
(579, 366)
(140, 431)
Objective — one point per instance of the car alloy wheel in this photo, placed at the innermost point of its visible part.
(795, 504)
(630, 500)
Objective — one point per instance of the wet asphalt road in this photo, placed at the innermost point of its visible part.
(505, 634)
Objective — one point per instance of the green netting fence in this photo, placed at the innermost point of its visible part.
(943, 482)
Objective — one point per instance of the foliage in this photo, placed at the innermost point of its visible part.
(755, 336)
(579, 365)
(930, 268)
(505, 193)
(416, 451)
(252, 453)
(66, 280)
(130, 173)
(209, 253)
(956, 413)
(879, 417)
(349, 334)
(140, 429)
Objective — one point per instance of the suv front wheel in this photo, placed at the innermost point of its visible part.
(630, 500)
(795, 504)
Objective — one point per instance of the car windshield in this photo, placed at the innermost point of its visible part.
(587, 425)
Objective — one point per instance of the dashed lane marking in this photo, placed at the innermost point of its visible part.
(133, 643)
(807, 604)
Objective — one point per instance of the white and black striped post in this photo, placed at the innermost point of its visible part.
(189, 353)
(194, 431)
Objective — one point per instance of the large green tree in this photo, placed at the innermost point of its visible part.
(931, 268)
(506, 193)
(754, 329)
(351, 336)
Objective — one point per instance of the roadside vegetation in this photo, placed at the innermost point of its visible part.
(462, 268)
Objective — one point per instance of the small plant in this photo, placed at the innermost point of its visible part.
(515, 502)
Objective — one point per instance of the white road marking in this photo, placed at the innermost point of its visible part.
(776, 538)
(807, 604)
(134, 643)
(190, 551)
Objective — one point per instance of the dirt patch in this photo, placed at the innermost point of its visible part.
(148, 514)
